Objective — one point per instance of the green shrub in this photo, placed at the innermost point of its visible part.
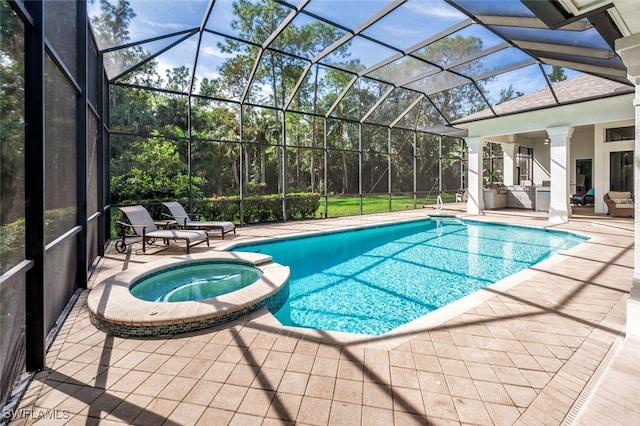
(302, 205)
(266, 208)
(12, 244)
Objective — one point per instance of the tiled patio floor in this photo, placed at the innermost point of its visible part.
(527, 351)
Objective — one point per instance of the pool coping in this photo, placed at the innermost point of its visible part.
(231, 245)
(113, 309)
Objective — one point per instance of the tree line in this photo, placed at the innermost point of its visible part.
(208, 138)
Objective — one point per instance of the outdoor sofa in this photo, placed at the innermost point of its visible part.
(620, 203)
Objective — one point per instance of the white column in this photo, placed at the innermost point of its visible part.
(509, 158)
(629, 50)
(559, 207)
(475, 203)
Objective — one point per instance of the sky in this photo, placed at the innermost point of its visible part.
(410, 23)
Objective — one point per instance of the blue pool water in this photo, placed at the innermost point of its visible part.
(372, 280)
(194, 281)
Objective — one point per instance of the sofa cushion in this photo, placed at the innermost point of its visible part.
(618, 195)
(622, 201)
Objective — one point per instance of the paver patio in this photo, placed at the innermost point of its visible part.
(543, 347)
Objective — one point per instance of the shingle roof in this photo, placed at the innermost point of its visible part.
(579, 88)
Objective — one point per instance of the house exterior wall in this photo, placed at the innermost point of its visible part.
(581, 114)
(588, 119)
(541, 159)
(541, 162)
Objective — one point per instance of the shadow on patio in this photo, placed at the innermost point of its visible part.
(529, 352)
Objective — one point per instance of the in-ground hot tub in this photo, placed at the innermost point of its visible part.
(222, 286)
(195, 281)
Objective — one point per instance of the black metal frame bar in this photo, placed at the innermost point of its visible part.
(34, 187)
(81, 151)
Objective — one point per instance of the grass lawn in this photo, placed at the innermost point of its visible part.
(350, 205)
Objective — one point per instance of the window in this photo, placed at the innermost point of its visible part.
(525, 165)
(621, 170)
(620, 134)
(493, 162)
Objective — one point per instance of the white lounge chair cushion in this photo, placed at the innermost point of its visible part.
(182, 219)
(225, 226)
(191, 235)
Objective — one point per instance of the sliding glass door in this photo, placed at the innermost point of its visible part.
(621, 169)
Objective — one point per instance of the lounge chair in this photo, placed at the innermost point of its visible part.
(620, 203)
(583, 200)
(144, 227)
(184, 220)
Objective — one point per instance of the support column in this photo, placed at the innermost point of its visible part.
(559, 207)
(629, 50)
(475, 202)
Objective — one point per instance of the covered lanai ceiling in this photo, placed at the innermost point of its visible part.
(413, 59)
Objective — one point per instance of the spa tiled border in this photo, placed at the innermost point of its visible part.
(114, 310)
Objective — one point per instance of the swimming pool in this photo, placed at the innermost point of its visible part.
(372, 280)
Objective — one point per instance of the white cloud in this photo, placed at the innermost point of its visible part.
(214, 51)
(164, 65)
(161, 24)
(433, 9)
(206, 73)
